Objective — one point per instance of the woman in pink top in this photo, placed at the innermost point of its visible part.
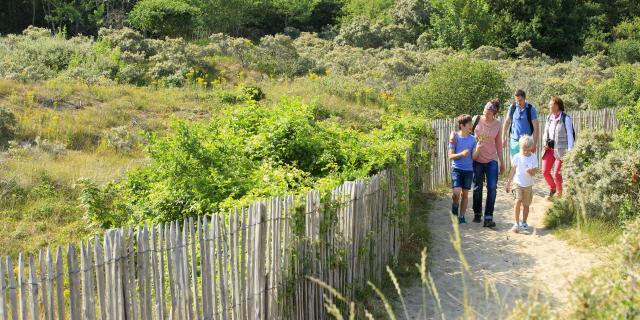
(487, 161)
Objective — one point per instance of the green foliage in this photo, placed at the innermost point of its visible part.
(277, 55)
(612, 292)
(561, 214)
(173, 18)
(601, 178)
(627, 135)
(623, 89)
(460, 24)
(360, 32)
(253, 151)
(376, 10)
(470, 84)
(96, 203)
(7, 127)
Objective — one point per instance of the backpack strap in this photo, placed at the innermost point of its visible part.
(563, 117)
(512, 110)
(476, 120)
(529, 116)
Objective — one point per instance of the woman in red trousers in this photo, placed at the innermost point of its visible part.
(558, 139)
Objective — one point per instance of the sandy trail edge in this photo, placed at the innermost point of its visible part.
(519, 265)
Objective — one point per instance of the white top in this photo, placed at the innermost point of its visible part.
(550, 128)
(522, 163)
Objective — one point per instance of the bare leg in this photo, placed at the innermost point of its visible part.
(525, 213)
(456, 197)
(516, 210)
(463, 202)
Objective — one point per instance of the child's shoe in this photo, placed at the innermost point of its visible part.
(524, 226)
(515, 228)
(461, 220)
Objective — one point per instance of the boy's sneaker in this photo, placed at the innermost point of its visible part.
(454, 209)
(461, 220)
(477, 218)
(515, 228)
(524, 226)
(489, 224)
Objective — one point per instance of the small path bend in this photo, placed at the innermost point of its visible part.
(519, 265)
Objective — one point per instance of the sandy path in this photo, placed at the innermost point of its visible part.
(517, 264)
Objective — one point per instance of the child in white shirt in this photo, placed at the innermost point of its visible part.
(523, 167)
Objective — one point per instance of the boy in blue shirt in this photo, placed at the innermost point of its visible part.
(460, 154)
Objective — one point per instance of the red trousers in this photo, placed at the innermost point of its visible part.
(549, 163)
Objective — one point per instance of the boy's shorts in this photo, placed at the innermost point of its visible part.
(514, 147)
(461, 179)
(525, 194)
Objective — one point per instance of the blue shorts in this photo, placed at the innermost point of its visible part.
(461, 178)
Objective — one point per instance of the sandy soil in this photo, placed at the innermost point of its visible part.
(519, 265)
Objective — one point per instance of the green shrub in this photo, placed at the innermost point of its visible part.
(455, 87)
(627, 135)
(600, 177)
(561, 214)
(360, 33)
(7, 127)
(625, 51)
(172, 18)
(623, 89)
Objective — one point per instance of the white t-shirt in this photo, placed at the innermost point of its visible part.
(522, 163)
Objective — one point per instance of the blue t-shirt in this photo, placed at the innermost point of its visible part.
(468, 142)
(520, 124)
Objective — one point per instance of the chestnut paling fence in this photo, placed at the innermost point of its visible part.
(250, 263)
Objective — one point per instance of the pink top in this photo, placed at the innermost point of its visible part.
(489, 148)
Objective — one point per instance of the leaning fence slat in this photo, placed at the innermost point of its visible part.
(204, 271)
(33, 294)
(156, 275)
(194, 271)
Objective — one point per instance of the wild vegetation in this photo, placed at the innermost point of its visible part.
(116, 113)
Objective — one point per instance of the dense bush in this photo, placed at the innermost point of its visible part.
(171, 18)
(470, 84)
(601, 178)
(253, 151)
(627, 135)
(623, 89)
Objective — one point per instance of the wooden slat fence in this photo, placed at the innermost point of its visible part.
(250, 263)
(604, 119)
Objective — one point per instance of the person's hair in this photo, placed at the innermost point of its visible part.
(520, 93)
(496, 103)
(463, 119)
(558, 102)
(526, 142)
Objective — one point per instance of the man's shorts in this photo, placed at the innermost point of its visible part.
(514, 147)
(461, 179)
(525, 194)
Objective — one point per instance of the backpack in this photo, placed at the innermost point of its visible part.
(563, 117)
(512, 110)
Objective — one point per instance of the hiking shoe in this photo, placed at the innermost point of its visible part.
(515, 228)
(461, 220)
(489, 224)
(477, 218)
(551, 193)
(454, 209)
(524, 226)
